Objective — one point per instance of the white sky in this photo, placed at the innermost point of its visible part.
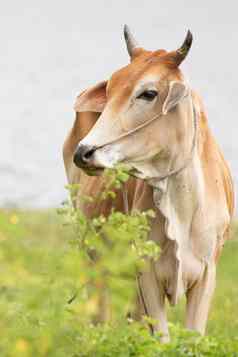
(51, 50)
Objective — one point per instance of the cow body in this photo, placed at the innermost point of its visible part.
(191, 226)
(193, 204)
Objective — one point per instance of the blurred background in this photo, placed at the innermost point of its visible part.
(52, 50)
(49, 52)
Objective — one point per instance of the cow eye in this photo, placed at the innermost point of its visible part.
(148, 95)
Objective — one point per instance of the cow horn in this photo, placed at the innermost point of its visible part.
(131, 42)
(182, 52)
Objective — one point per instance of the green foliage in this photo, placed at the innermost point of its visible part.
(48, 294)
(113, 249)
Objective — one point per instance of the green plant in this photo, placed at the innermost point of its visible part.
(46, 301)
(113, 248)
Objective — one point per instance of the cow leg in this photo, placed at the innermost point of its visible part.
(199, 298)
(152, 299)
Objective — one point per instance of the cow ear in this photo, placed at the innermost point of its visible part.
(177, 91)
(92, 99)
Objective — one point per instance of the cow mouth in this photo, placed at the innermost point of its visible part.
(93, 170)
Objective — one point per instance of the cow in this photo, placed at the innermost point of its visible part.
(148, 117)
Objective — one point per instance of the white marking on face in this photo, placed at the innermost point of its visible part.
(107, 156)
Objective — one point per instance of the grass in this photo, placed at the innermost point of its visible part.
(43, 304)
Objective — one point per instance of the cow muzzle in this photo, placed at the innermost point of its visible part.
(83, 156)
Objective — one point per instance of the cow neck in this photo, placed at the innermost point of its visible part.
(180, 201)
(187, 160)
(191, 154)
(177, 197)
(177, 188)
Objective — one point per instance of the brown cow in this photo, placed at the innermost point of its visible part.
(153, 121)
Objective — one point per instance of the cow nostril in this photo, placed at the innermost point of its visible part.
(83, 155)
(88, 154)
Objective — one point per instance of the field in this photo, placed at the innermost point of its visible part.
(41, 307)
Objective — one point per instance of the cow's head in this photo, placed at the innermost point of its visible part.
(151, 86)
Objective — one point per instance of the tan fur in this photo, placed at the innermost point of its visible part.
(193, 209)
